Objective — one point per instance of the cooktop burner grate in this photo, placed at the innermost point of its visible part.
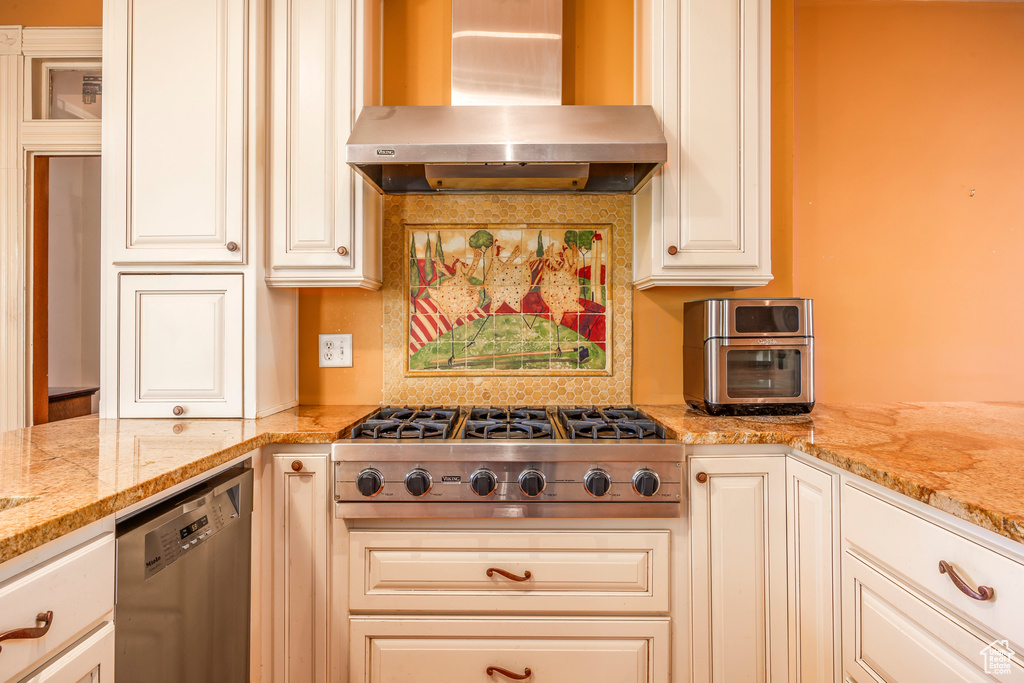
(408, 423)
(508, 423)
(608, 423)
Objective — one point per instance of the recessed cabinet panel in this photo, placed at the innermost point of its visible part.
(324, 228)
(738, 569)
(432, 651)
(891, 633)
(183, 131)
(181, 346)
(708, 78)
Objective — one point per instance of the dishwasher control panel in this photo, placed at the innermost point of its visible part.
(199, 520)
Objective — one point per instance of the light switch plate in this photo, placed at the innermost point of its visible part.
(335, 350)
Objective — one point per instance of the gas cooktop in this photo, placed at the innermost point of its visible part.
(518, 461)
(522, 423)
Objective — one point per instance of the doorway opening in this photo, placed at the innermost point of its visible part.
(65, 286)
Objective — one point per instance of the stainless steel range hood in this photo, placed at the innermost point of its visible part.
(508, 131)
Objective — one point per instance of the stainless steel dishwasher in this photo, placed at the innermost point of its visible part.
(183, 572)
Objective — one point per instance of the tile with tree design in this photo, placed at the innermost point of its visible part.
(508, 299)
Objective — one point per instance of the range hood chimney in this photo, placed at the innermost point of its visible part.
(507, 130)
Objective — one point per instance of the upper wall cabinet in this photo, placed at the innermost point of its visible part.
(174, 127)
(325, 223)
(705, 67)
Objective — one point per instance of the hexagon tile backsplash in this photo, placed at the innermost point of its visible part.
(475, 284)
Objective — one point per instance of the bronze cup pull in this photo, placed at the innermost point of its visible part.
(35, 632)
(491, 571)
(983, 592)
(491, 670)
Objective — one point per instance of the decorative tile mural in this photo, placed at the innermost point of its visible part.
(473, 285)
(499, 298)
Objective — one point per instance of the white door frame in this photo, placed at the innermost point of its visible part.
(20, 139)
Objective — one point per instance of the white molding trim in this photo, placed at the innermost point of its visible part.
(13, 261)
(62, 42)
(19, 140)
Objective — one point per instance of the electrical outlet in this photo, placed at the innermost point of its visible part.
(335, 350)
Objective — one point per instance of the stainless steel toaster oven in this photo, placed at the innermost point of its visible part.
(749, 356)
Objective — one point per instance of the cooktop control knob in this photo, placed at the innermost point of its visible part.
(646, 482)
(483, 482)
(597, 482)
(418, 482)
(369, 482)
(532, 482)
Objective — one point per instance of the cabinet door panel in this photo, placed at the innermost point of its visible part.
(184, 132)
(181, 345)
(434, 651)
(91, 660)
(312, 186)
(890, 633)
(738, 556)
(300, 546)
(812, 573)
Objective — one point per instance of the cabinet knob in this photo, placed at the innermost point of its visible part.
(232, 246)
(702, 477)
(297, 465)
(178, 410)
(343, 251)
(672, 251)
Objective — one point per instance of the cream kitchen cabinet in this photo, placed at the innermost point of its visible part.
(812, 514)
(71, 583)
(174, 130)
(705, 218)
(738, 568)
(180, 347)
(300, 518)
(324, 221)
(904, 616)
(482, 650)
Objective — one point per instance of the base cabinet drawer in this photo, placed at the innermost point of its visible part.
(542, 572)
(482, 650)
(891, 633)
(91, 660)
(77, 587)
(912, 547)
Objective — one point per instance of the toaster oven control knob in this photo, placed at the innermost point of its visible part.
(532, 483)
(369, 482)
(418, 482)
(483, 482)
(597, 482)
(646, 482)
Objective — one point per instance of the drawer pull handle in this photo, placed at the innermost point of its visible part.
(36, 632)
(491, 571)
(491, 670)
(983, 592)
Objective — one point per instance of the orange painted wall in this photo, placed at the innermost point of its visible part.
(51, 12)
(902, 110)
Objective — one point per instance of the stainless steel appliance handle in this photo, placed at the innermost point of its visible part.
(764, 342)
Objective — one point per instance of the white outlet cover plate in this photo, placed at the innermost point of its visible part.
(335, 350)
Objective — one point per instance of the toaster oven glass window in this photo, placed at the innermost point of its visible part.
(767, 319)
(763, 373)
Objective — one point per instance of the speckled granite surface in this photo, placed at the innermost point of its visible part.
(59, 477)
(963, 458)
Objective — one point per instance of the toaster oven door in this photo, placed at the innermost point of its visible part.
(760, 370)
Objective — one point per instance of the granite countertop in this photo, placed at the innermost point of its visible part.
(59, 477)
(962, 458)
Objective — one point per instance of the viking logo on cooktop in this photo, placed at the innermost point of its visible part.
(507, 299)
